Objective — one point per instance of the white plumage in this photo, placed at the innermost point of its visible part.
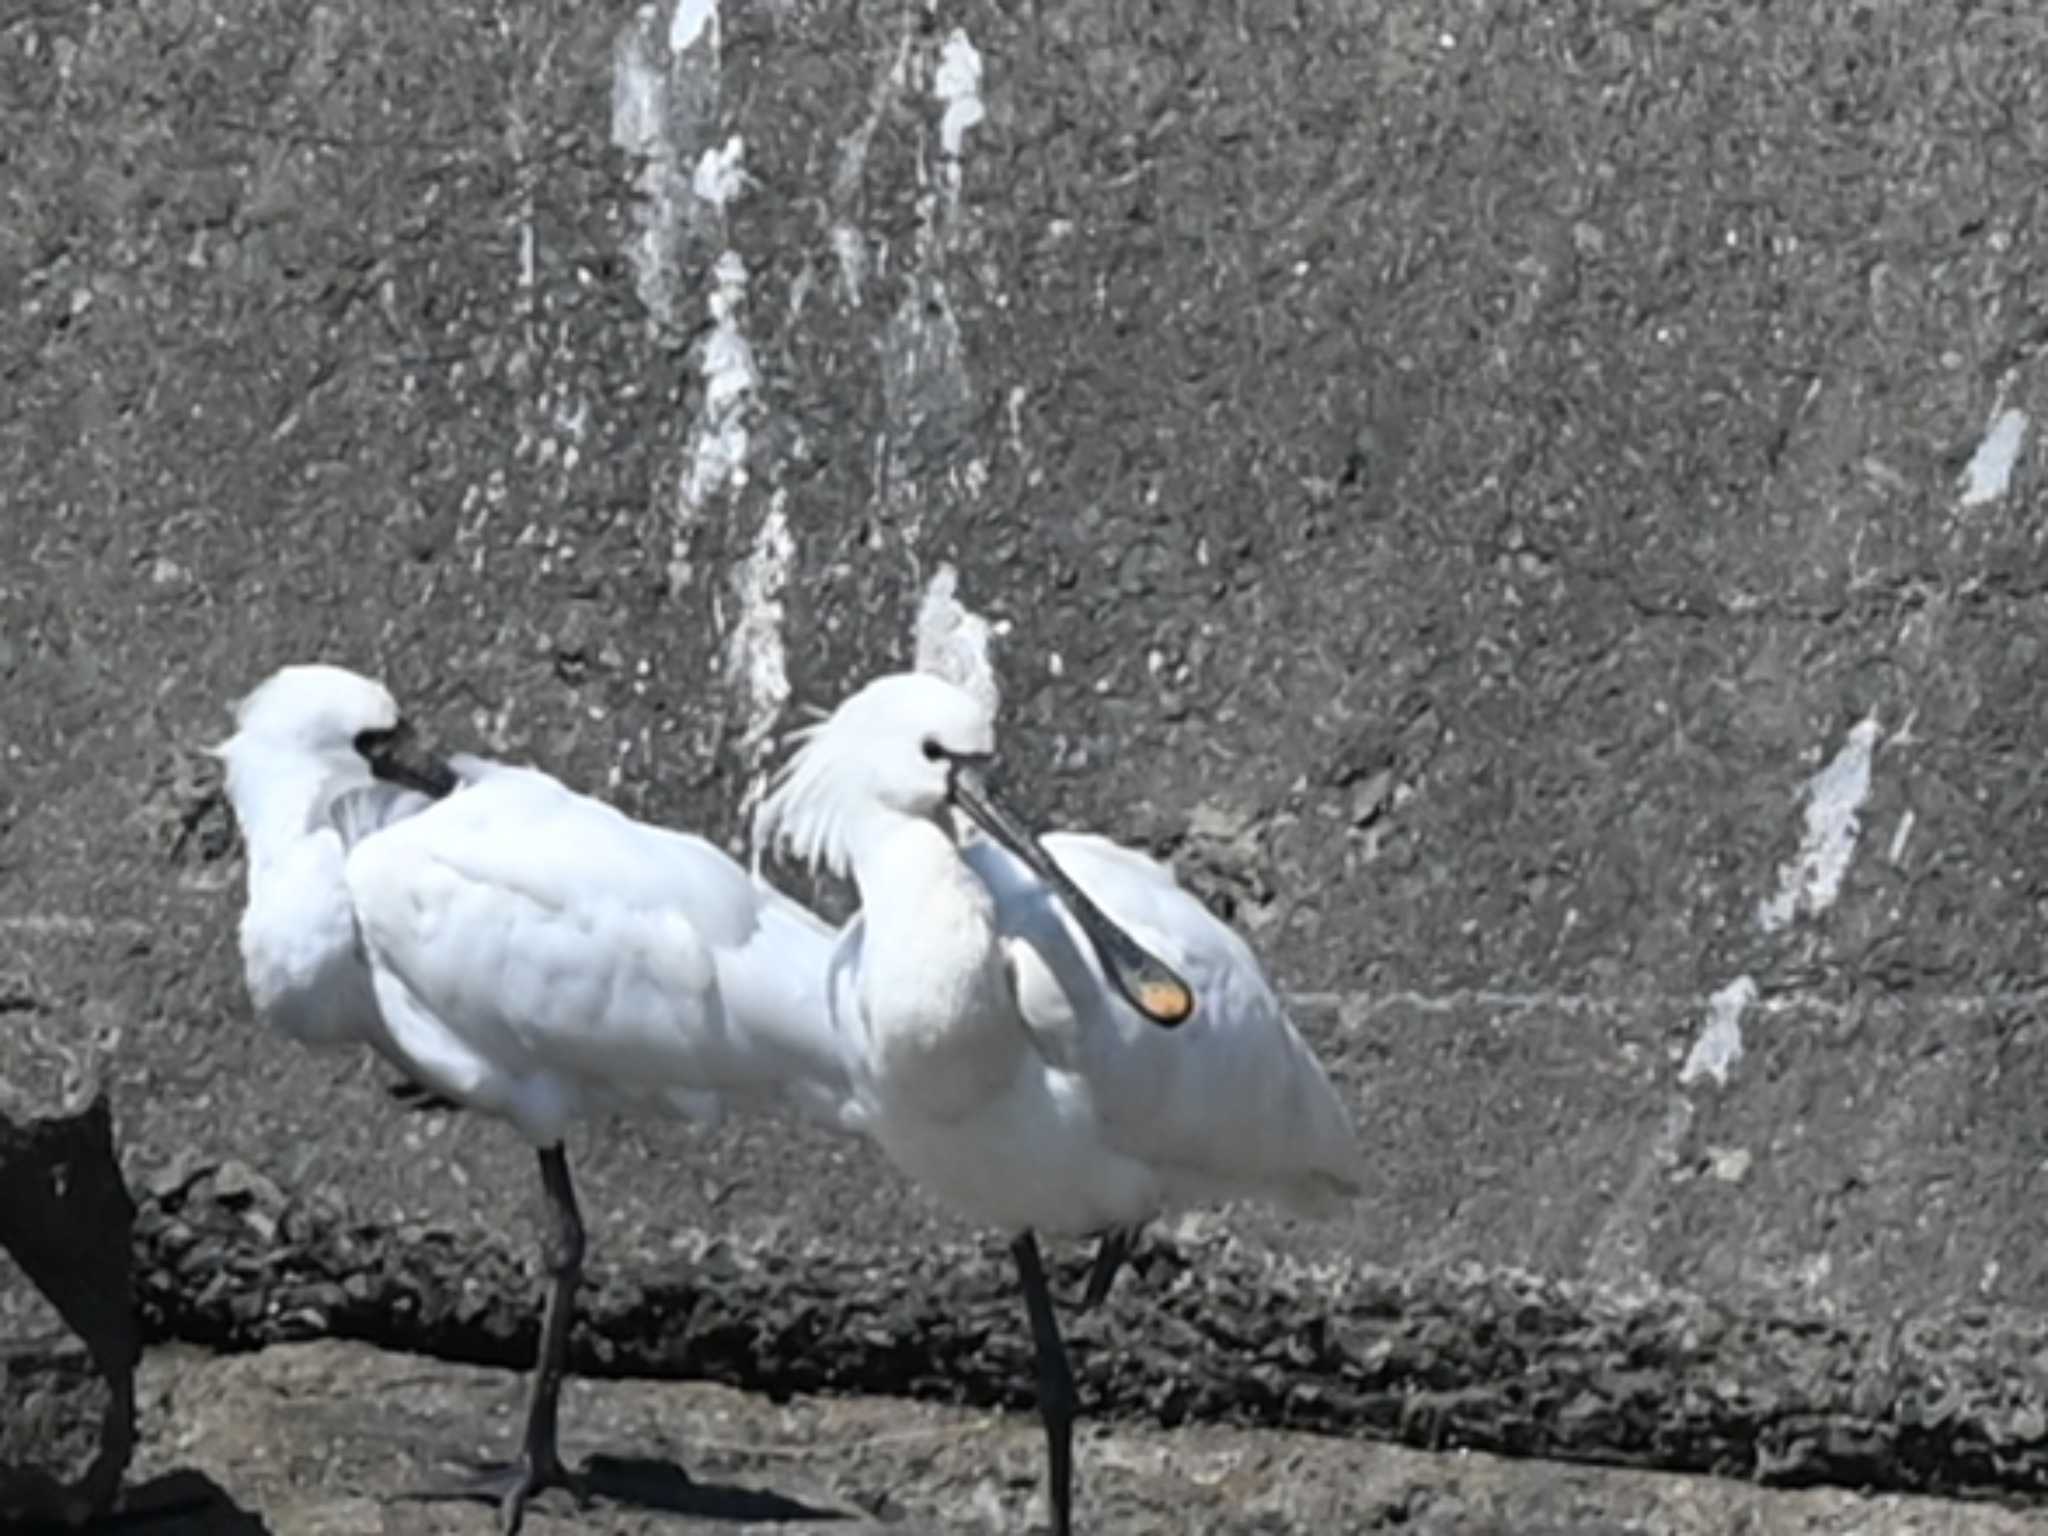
(301, 793)
(1062, 1109)
(518, 948)
(994, 1057)
(541, 956)
(524, 949)
(1231, 1104)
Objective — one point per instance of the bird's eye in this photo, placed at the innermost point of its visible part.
(369, 743)
(933, 752)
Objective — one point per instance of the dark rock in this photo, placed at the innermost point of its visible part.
(66, 1218)
(60, 1459)
(1482, 1360)
(236, 1184)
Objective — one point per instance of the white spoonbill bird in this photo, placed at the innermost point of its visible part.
(525, 951)
(1041, 1059)
(320, 759)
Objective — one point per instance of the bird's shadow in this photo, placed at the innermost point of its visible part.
(183, 1503)
(647, 1482)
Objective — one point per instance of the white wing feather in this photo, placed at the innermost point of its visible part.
(1231, 1103)
(306, 977)
(542, 955)
(301, 952)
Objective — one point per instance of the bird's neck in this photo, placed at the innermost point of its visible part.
(274, 796)
(934, 986)
(914, 889)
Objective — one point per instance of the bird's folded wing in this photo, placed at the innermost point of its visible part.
(363, 810)
(552, 934)
(359, 810)
(1235, 1095)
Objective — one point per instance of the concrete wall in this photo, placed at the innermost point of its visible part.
(1535, 508)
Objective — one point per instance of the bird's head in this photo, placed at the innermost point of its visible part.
(339, 720)
(894, 747)
(911, 744)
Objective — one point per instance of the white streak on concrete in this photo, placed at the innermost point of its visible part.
(665, 93)
(718, 454)
(1730, 1165)
(720, 177)
(957, 85)
(529, 250)
(852, 252)
(927, 392)
(1898, 849)
(848, 245)
(953, 641)
(1719, 1045)
(1834, 802)
(691, 19)
(1989, 471)
(722, 433)
(756, 660)
(640, 128)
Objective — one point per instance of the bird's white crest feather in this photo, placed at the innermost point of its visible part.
(808, 809)
(863, 756)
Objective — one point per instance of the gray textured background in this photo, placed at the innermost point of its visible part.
(1512, 499)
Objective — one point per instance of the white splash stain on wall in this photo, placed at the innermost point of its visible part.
(720, 438)
(529, 252)
(666, 82)
(1834, 804)
(1989, 471)
(667, 108)
(721, 435)
(666, 87)
(926, 387)
(952, 641)
(957, 86)
(1719, 1045)
(720, 175)
(849, 246)
(851, 252)
(756, 661)
(643, 127)
(1900, 837)
(691, 20)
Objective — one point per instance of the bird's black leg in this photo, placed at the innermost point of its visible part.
(539, 1463)
(565, 1271)
(1111, 1254)
(1055, 1385)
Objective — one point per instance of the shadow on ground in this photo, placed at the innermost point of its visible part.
(319, 1437)
(655, 1485)
(646, 1482)
(181, 1503)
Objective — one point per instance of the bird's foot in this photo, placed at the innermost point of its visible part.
(413, 1097)
(509, 1485)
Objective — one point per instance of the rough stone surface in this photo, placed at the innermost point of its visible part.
(1534, 508)
(55, 1407)
(69, 1411)
(315, 1438)
(1202, 1332)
